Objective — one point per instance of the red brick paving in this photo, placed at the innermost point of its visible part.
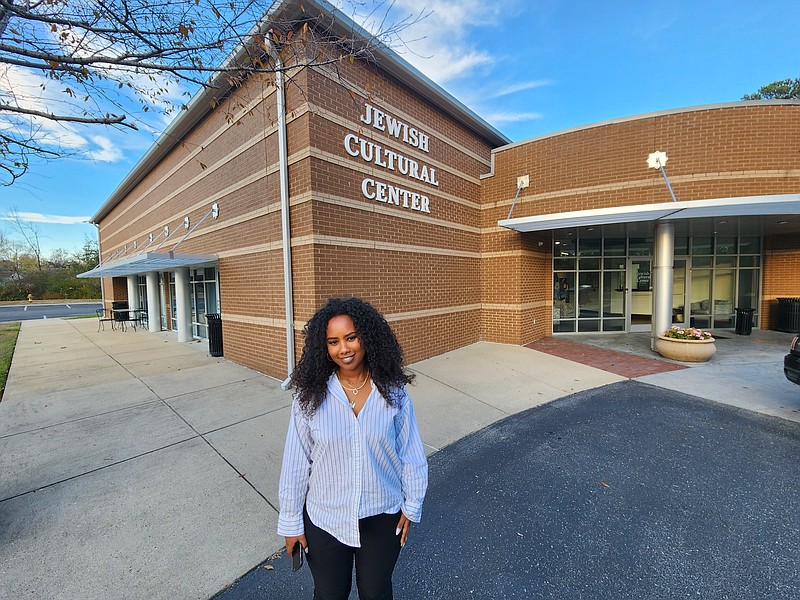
(619, 363)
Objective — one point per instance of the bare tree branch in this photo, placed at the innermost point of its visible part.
(31, 234)
(108, 120)
(109, 62)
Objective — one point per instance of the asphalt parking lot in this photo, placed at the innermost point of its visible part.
(624, 491)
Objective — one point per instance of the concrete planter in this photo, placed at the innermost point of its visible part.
(685, 350)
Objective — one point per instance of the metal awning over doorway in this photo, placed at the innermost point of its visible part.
(749, 206)
(151, 261)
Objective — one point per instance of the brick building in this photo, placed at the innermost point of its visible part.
(368, 179)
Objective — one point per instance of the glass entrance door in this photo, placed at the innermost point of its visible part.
(640, 294)
(679, 302)
(163, 296)
(700, 302)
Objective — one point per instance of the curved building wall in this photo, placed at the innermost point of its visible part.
(723, 151)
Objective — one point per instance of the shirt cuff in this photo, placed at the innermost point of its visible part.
(290, 525)
(413, 510)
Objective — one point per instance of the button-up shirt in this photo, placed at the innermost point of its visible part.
(344, 467)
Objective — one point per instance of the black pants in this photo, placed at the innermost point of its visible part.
(331, 561)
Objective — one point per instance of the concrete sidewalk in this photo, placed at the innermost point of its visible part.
(133, 466)
(746, 371)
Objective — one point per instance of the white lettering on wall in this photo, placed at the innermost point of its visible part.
(391, 160)
(394, 127)
(374, 153)
(390, 194)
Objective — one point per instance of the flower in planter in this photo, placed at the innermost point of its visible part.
(692, 333)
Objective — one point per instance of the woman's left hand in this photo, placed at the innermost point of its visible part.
(403, 525)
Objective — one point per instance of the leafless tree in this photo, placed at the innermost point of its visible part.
(80, 63)
(31, 236)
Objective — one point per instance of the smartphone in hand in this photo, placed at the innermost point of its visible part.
(297, 556)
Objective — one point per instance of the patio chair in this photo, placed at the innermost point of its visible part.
(141, 318)
(102, 317)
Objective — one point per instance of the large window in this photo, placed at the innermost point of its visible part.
(593, 290)
(173, 302)
(589, 281)
(141, 286)
(205, 298)
(203, 284)
(724, 273)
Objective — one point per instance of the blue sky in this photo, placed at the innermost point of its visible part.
(529, 67)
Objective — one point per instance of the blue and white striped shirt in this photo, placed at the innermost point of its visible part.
(344, 468)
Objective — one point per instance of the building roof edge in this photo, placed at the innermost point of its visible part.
(201, 103)
(650, 115)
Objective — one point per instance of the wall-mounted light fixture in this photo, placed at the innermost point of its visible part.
(658, 160)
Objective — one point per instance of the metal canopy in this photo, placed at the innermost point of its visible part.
(750, 206)
(152, 261)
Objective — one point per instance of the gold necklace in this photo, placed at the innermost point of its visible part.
(353, 390)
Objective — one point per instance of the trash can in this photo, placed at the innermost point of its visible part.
(744, 321)
(214, 334)
(120, 305)
(789, 315)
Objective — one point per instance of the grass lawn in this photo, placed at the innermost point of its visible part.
(8, 341)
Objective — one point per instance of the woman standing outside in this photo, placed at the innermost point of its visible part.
(354, 470)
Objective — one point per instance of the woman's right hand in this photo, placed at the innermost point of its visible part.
(291, 541)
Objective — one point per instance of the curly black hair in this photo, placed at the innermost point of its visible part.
(383, 355)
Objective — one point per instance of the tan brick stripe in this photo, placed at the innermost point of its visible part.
(407, 151)
(394, 317)
(327, 240)
(518, 307)
(338, 80)
(366, 169)
(645, 183)
(131, 201)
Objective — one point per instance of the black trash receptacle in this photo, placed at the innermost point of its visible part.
(789, 315)
(214, 334)
(116, 307)
(744, 321)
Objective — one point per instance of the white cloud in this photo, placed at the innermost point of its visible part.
(512, 117)
(41, 218)
(520, 87)
(33, 92)
(654, 24)
(439, 44)
(451, 44)
(107, 151)
(451, 64)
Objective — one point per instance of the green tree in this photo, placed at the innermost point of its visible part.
(786, 89)
(87, 258)
(23, 273)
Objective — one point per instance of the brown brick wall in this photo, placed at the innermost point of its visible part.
(428, 336)
(713, 153)
(420, 270)
(719, 152)
(779, 275)
(443, 279)
(258, 347)
(118, 290)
